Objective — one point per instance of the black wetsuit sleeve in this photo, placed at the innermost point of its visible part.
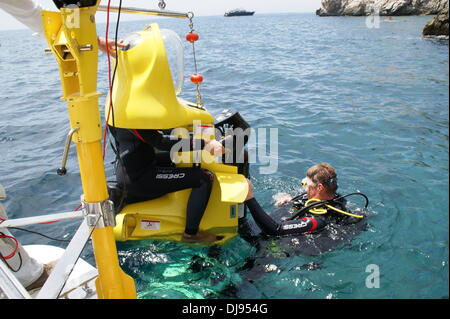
(289, 227)
(166, 142)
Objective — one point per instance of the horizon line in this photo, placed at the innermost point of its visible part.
(20, 26)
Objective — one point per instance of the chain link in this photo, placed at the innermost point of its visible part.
(190, 16)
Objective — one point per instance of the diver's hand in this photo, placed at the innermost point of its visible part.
(281, 199)
(111, 45)
(215, 148)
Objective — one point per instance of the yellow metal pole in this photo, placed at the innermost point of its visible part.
(72, 37)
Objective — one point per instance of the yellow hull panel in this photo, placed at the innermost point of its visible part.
(164, 218)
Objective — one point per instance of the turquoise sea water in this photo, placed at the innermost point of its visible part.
(373, 102)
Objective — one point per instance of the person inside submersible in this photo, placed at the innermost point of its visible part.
(145, 170)
(146, 174)
(312, 210)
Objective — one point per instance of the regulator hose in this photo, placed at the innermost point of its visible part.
(327, 203)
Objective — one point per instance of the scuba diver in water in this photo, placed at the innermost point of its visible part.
(312, 210)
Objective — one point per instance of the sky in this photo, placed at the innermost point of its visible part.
(199, 7)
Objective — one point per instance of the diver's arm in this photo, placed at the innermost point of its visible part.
(291, 227)
(264, 221)
(165, 142)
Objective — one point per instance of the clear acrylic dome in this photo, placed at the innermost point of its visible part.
(175, 55)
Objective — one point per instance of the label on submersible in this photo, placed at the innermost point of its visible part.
(150, 224)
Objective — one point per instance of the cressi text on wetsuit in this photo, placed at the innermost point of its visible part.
(307, 223)
(146, 171)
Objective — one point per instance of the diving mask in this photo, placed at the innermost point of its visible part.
(306, 182)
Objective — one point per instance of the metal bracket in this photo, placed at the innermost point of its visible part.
(100, 214)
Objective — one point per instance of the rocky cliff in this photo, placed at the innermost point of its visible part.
(384, 7)
(438, 26)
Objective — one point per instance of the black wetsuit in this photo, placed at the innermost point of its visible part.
(306, 223)
(146, 174)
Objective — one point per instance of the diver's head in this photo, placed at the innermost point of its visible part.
(321, 181)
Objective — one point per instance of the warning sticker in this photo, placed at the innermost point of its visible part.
(150, 224)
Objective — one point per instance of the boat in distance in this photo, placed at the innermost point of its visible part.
(238, 13)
